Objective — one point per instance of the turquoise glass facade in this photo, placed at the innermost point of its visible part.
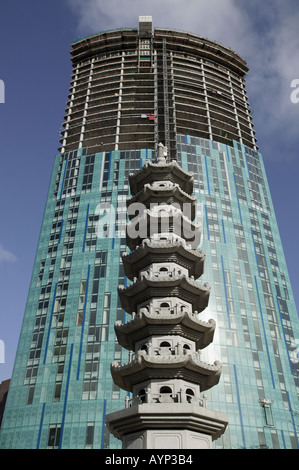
(62, 388)
(251, 298)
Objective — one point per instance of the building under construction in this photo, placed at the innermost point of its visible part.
(133, 89)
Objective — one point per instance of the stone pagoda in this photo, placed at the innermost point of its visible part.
(165, 373)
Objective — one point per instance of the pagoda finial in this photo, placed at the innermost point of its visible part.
(162, 153)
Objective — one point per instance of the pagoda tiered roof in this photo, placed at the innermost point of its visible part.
(160, 251)
(166, 193)
(166, 219)
(151, 285)
(182, 323)
(161, 171)
(188, 367)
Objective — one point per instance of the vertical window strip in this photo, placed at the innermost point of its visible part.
(83, 321)
(207, 222)
(103, 423)
(207, 175)
(225, 291)
(60, 233)
(63, 178)
(246, 164)
(283, 439)
(223, 229)
(85, 229)
(109, 168)
(89, 435)
(239, 406)
(50, 323)
(70, 178)
(238, 199)
(102, 170)
(227, 153)
(264, 331)
(88, 173)
(66, 396)
(54, 436)
(258, 268)
(113, 237)
(284, 336)
(293, 420)
(40, 426)
(226, 172)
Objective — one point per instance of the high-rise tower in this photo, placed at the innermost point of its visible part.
(131, 89)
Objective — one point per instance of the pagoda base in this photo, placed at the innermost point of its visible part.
(179, 439)
(167, 426)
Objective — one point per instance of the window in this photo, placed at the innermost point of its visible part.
(60, 345)
(70, 176)
(30, 394)
(81, 302)
(57, 391)
(268, 413)
(89, 436)
(91, 233)
(141, 394)
(54, 436)
(88, 173)
(189, 395)
(89, 389)
(165, 395)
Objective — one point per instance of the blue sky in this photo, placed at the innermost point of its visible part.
(35, 40)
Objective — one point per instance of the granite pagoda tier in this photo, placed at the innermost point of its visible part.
(165, 373)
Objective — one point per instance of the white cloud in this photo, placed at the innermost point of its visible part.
(6, 255)
(213, 18)
(274, 64)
